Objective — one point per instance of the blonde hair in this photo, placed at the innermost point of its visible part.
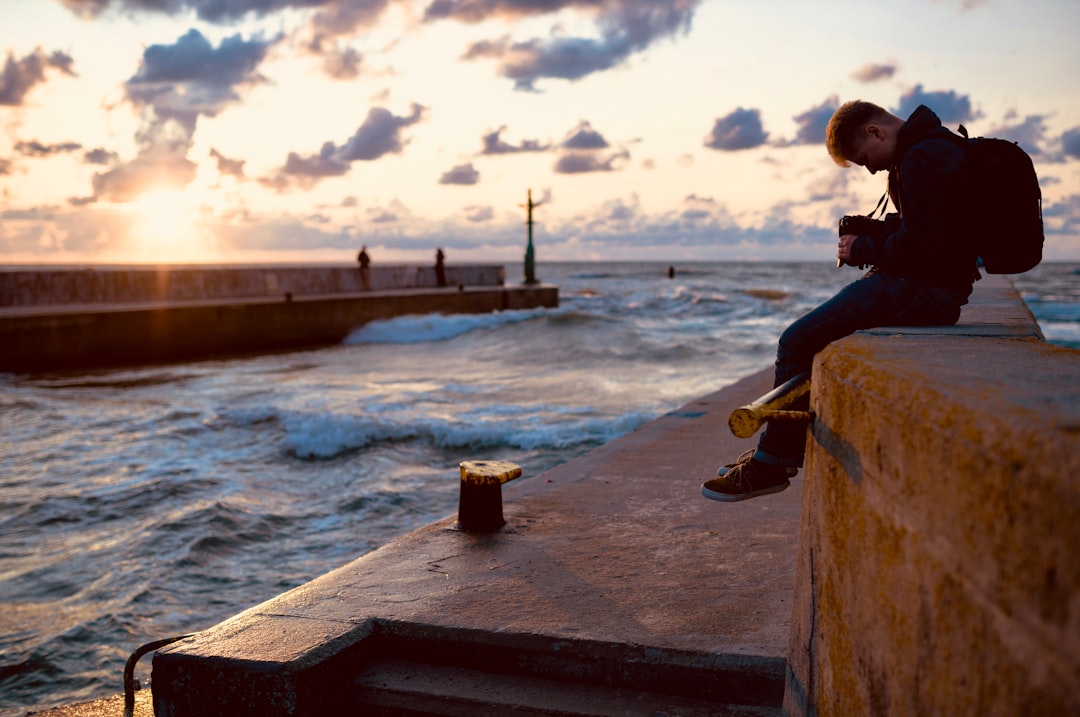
(846, 125)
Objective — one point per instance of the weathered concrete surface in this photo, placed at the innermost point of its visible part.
(612, 571)
(44, 286)
(61, 337)
(107, 707)
(938, 571)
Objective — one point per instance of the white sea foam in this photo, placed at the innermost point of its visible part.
(434, 327)
(323, 435)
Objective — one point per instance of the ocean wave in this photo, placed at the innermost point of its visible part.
(319, 435)
(426, 328)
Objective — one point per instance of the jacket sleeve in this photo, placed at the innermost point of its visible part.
(928, 174)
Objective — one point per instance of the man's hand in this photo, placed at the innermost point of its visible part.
(843, 254)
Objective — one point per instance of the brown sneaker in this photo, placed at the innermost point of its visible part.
(747, 478)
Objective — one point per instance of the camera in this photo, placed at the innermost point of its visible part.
(861, 226)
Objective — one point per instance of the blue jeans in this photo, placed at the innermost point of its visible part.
(877, 299)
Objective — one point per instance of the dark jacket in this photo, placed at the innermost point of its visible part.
(928, 241)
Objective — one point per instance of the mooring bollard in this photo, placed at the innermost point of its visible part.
(746, 420)
(480, 501)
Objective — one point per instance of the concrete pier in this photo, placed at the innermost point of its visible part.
(89, 318)
(922, 563)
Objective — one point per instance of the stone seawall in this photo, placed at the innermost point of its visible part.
(96, 318)
(938, 564)
(115, 285)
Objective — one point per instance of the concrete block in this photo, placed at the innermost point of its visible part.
(938, 572)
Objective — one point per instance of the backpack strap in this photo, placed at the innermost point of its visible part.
(882, 205)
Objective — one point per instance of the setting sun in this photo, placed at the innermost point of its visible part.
(166, 227)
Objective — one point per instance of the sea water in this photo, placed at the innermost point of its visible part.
(143, 503)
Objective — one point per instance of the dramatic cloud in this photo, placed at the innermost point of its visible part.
(874, 72)
(494, 144)
(21, 76)
(1070, 142)
(192, 77)
(174, 86)
(34, 148)
(949, 106)
(813, 122)
(741, 129)
(624, 27)
(463, 174)
(380, 134)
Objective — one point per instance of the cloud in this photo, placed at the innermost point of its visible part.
(1070, 142)
(813, 122)
(342, 63)
(191, 77)
(1063, 216)
(327, 163)
(380, 134)
(463, 174)
(584, 137)
(624, 28)
(1028, 133)
(741, 129)
(335, 18)
(21, 76)
(156, 167)
(33, 148)
(228, 167)
(5, 166)
(579, 162)
(494, 144)
(949, 106)
(874, 72)
(582, 152)
(175, 85)
(475, 11)
(100, 155)
(479, 214)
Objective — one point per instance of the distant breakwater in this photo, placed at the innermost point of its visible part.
(76, 319)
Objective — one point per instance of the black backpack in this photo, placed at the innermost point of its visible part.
(1003, 190)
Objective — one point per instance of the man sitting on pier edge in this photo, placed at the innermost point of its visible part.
(923, 267)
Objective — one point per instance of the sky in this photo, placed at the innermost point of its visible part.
(159, 131)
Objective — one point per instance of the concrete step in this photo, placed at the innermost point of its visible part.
(408, 687)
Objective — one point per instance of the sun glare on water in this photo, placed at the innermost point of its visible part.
(167, 227)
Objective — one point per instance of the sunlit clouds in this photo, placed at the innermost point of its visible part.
(291, 130)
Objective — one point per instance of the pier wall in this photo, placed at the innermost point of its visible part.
(938, 566)
(53, 320)
(115, 285)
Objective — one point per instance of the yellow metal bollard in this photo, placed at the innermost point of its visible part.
(746, 420)
(480, 500)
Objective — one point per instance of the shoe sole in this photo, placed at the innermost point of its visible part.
(735, 497)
